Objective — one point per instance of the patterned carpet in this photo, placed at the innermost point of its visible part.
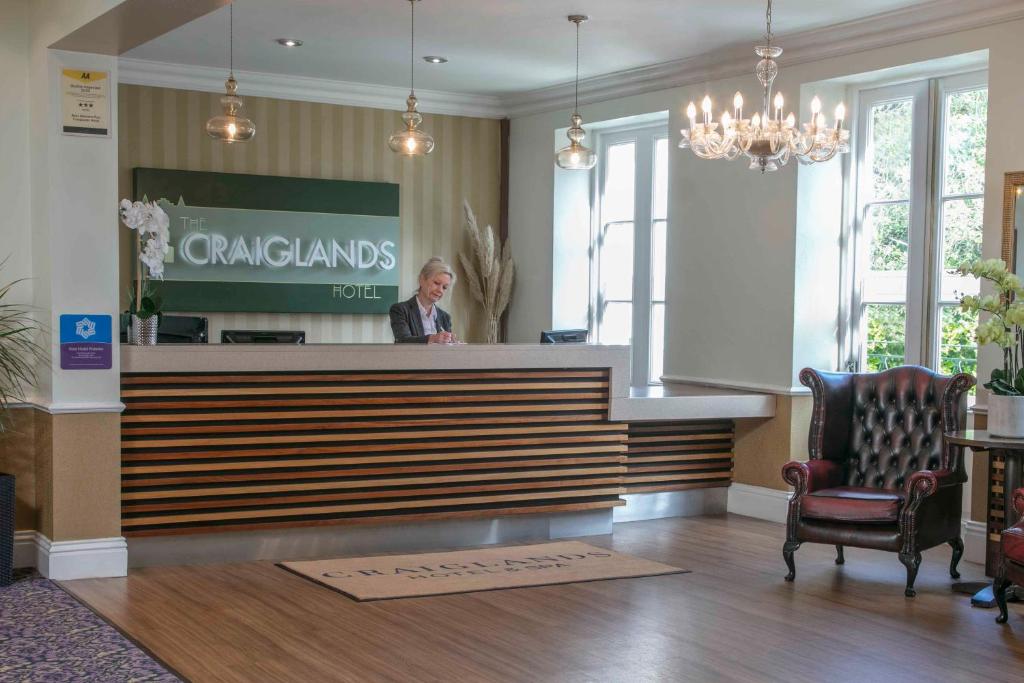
(47, 635)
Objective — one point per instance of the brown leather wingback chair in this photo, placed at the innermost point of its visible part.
(879, 475)
(1011, 557)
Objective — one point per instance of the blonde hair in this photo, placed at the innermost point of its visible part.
(435, 265)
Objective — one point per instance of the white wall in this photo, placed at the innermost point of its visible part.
(15, 240)
(74, 198)
(531, 183)
(750, 301)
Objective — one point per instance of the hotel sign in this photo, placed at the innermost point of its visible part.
(247, 244)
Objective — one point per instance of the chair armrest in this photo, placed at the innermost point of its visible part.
(813, 475)
(1018, 501)
(924, 483)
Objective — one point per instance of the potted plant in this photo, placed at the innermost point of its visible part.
(1003, 327)
(152, 234)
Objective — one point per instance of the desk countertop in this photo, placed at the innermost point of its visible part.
(673, 401)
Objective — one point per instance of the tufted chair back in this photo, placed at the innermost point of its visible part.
(897, 426)
(885, 425)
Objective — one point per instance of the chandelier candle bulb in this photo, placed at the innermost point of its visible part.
(779, 102)
(691, 113)
(815, 106)
(840, 115)
(737, 103)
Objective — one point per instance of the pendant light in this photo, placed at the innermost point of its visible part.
(411, 141)
(575, 156)
(232, 125)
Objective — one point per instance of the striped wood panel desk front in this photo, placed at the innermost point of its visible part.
(227, 451)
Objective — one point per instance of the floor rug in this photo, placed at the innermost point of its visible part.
(47, 635)
(464, 571)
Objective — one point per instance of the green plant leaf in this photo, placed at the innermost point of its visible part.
(1001, 388)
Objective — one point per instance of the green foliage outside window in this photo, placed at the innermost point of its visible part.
(886, 336)
(888, 223)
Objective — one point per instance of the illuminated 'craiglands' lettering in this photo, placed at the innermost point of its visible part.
(210, 249)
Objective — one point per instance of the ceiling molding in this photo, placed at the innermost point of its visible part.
(928, 20)
(304, 88)
(871, 33)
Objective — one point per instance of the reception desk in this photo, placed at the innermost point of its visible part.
(225, 438)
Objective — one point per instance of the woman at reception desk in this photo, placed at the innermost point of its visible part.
(419, 319)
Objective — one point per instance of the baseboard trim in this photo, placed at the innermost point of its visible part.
(974, 541)
(93, 558)
(759, 502)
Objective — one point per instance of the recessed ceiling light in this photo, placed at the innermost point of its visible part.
(432, 59)
(289, 42)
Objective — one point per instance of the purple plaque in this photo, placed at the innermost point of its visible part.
(85, 342)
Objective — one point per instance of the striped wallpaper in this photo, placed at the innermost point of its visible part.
(163, 128)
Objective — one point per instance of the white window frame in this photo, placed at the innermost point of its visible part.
(644, 138)
(924, 267)
(944, 87)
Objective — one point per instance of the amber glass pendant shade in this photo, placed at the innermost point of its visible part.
(411, 141)
(576, 156)
(232, 125)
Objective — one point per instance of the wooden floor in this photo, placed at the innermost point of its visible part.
(732, 619)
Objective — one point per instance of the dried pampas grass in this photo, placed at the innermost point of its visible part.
(490, 271)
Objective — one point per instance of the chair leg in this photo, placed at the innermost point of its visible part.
(958, 551)
(912, 561)
(839, 555)
(787, 552)
(999, 587)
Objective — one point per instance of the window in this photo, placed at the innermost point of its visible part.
(628, 300)
(920, 185)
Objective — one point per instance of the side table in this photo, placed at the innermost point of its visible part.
(1004, 476)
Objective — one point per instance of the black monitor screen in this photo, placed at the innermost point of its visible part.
(563, 337)
(262, 337)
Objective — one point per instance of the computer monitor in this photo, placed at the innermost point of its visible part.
(173, 329)
(262, 337)
(563, 337)
(182, 329)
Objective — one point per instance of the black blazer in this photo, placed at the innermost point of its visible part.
(406, 324)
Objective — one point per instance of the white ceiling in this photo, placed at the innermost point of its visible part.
(495, 47)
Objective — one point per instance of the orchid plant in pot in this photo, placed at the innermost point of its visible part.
(152, 234)
(1004, 326)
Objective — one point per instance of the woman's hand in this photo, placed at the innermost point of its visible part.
(441, 338)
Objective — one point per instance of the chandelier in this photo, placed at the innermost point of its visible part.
(766, 138)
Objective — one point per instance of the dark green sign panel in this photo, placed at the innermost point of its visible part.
(251, 243)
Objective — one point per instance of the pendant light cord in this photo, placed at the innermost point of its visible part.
(412, 47)
(576, 94)
(231, 39)
(768, 24)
